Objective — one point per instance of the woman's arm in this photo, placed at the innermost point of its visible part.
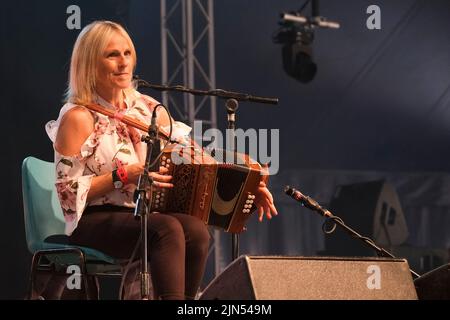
(76, 126)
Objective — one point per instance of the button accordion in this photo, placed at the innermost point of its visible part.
(206, 186)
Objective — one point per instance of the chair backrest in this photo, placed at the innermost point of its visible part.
(42, 211)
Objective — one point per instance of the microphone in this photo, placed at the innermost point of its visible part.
(156, 149)
(153, 126)
(232, 105)
(306, 201)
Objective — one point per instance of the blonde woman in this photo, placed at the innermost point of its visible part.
(99, 159)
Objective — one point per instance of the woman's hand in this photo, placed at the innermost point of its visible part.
(160, 180)
(133, 171)
(264, 202)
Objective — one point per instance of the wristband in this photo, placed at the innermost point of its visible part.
(122, 174)
(119, 175)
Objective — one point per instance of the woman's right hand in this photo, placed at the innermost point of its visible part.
(160, 180)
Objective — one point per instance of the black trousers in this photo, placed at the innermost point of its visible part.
(177, 245)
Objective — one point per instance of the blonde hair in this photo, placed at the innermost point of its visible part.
(88, 48)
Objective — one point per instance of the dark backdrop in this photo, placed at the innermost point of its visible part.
(379, 101)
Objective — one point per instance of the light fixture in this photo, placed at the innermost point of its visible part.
(298, 61)
(296, 34)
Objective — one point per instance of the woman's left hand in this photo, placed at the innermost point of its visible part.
(264, 202)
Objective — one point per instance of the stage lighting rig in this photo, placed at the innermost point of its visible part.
(296, 34)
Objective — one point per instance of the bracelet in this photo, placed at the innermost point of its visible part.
(122, 174)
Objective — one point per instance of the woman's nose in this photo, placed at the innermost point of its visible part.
(124, 61)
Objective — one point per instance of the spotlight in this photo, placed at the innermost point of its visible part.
(298, 59)
(296, 34)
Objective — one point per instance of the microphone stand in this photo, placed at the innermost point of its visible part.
(143, 199)
(231, 105)
(215, 92)
(312, 204)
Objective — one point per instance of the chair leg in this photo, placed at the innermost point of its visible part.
(55, 287)
(31, 281)
(52, 283)
(88, 287)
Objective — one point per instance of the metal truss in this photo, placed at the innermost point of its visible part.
(188, 58)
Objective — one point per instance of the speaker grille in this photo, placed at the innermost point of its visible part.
(321, 278)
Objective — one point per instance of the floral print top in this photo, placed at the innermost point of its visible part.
(110, 141)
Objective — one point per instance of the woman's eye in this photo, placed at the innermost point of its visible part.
(116, 54)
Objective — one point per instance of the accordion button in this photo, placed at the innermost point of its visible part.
(163, 163)
(164, 158)
(168, 161)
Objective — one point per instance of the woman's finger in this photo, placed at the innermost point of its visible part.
(161, 185)
(268, 214)
(270, 196)
(273, 209)
(160, 177)
(163, 170)
(260, 213)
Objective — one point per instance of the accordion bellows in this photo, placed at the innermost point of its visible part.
(220, 193)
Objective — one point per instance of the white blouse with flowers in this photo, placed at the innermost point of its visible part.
(111, 141)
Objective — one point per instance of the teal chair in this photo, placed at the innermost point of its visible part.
(44, 228)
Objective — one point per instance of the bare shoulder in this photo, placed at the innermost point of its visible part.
(78, 115)
(76, 126)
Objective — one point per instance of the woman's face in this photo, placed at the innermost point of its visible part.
(114, 70)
